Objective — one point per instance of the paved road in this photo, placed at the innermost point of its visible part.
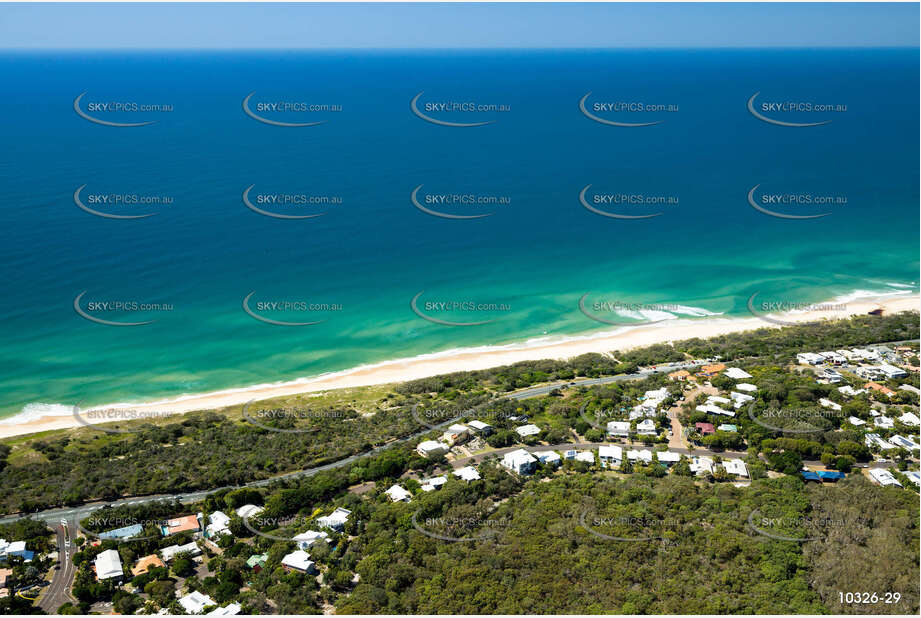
(58, 592)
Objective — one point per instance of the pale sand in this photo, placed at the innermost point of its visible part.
(467, 360)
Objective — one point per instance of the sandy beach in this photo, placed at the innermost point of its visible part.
(465, 360)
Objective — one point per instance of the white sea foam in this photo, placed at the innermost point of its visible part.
(35, 411)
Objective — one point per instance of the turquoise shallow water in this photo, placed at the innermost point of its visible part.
(369, 255)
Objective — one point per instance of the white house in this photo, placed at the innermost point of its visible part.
(716, 400)
(891, 372)
(218, 524)
(467, 473)
(335, 520)
(914, 476)
(398, 494)
(884, 422)
(873, 439)
(849, 391)
(834, 357)
(701, 465)
(520, 461)
(910, 418)
(668, 458)
(745, 386)
(195, 602)
(298, 560)
(527, 430)
(434, 483)
(828, 403)
(831, 376)
(643, 456)
(709, 408)
(905, 443)
(108, 565)
(480, 427)
(646, 428)
(619, 429)
(740, 398)
(550, 458)
(586, 456)
(168, 553)
(431, 448)
(856, 422)
(249, 510)
(305, 539)
(910, 389)
(736, 374)
(736, 467)
(883, 477)
(610, 455)
(810, 358)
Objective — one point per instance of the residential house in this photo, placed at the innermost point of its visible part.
(910, 418)
(172, 551)
(704, 429)
(550, 458)
(146, 563)
(682, 375)
(610, 455)
(745, 386)
(831, 376)
(527, 430)
(305, 540)
(874, 440)
(646, 428)
(520, 461)
(910, 389)
(668, 458)
(619, 429)
(249, 510)
(431, 448)
(196, 602)
(712, 370)
(398, 494)
(108, 565)
(433, 483)
(709, 408)
(231, 610)
(728, 428)
(644, 456)
(123, 533)
(914, 476)
(456, 434)
(257, 561)
(883, 477)
(737, 374)
(856, 422)
(810, 358)
(468, 473)
(891, 372)
(828, 403)
(701, 466)
(849, 391)
(879, 388)
(336, 520)
(298, 560)
(182, 524)
(904, 442)
(884, 422)
(740, 399)
(480, 427)
(217, 525)
(736, 467)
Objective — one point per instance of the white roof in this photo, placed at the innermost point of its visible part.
(467, 473)
(219, 517)
(884, 421)
(736, 374)
(647, 424)
(434, 483)
(873, 439)
(883, 477)
(914, 476)
(660, 393)
(668, 456)
(528, 430)
(856, 422)
(336, 519)
(306, 539)
(195, 602)
(740, 396)
(108, 564)
(717, 399)
(701, 464)
(611, 451)
(547, 456)
(231, 610)
(168, 553)
(904, 442)
(458, 428)
(735, 466)
(910, 388)
(586, 456)
(614, 426)
(398, 494)
(15, 546)
(248, 510)
(431, 446)
(745, 386)
(910, 418)
(299, 560)
(479, 425)
(712, 409)
(828, 403)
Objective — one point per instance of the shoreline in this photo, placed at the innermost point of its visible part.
(468, 359)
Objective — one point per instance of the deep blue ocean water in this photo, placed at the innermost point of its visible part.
(374, 251)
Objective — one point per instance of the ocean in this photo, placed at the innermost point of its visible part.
(703, 163)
